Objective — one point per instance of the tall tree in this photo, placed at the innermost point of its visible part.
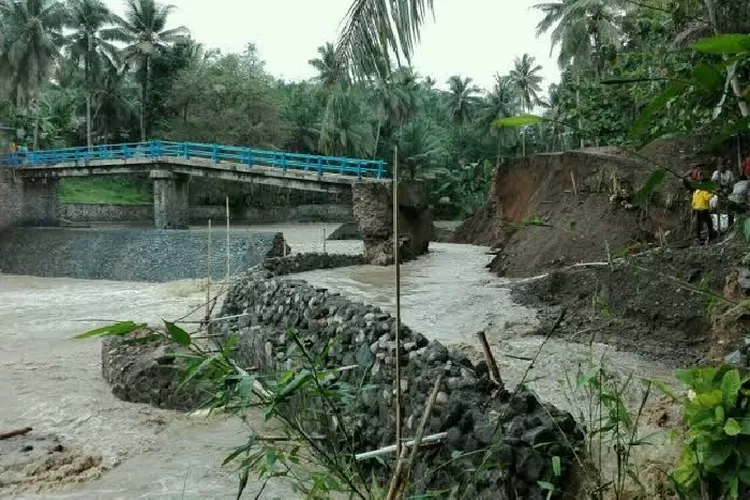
(581, 28)
(502, 102)
(144, 29)
(461, 95)
(526, 78)
(31, 37)
(87, 46)
(329, 71)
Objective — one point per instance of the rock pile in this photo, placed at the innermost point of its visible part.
(301, 262)
(482, 424)
(143, 371)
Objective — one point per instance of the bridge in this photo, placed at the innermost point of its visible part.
(172, 164)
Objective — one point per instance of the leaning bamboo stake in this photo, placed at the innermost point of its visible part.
(491, 363)
(573, 181)
(397, 271)
(403, 467)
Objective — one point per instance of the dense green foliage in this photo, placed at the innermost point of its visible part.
(716, 450)
(84, 75)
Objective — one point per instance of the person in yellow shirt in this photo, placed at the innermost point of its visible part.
(702, 212)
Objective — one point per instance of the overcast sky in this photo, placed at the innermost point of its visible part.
(475, 38)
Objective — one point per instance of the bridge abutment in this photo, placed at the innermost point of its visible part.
(171, 200)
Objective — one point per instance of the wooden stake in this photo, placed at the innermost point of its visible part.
(403, 468)
(397, 276)
(491, 363)
(208, 279)
(324, 240)
(227, 279)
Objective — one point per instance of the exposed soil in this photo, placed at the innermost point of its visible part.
(548, 211)
(650, 304)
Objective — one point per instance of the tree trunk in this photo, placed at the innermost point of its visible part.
(144, 97)
(87, 82)
(36, 123)
(523, 135)
(578, 104)
(377, 139)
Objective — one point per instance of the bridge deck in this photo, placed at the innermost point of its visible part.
(201, 160)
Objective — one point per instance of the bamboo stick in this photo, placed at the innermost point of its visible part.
(397, 276)
(227, 278)
(208, 278)
(491, 363)
(431, 439)
(403, 468)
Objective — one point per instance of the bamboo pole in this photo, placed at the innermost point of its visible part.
(491, 363)
(208, 277)
(227, 279)
(404, 466)
(387, 450)
(324, 240)
(397, 276)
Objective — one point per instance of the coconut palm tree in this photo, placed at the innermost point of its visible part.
(329, 71)
(461, 96)
(87, 46)
(144, 29)
(581, 28)
(502, 102)
(31, 37)
(528, 82)
(345, 129)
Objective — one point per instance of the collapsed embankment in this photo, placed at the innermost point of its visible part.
(131, 254)
(552, 210)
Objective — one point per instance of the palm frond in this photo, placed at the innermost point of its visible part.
(374, 29)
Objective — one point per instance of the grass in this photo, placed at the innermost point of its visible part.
(104, 190)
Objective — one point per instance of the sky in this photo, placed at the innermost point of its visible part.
(474, 38)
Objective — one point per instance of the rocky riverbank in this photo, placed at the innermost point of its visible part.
(470, 409)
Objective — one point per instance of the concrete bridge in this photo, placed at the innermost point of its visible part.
(171, 165)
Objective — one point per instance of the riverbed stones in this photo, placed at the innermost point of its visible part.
(518, 431)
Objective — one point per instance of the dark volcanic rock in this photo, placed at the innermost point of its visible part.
(521, 432)
(147, 372)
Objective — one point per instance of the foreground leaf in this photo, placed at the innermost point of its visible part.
(518, 121)
(657, 177)
(178, 334)
(726, 44)
(115, 329)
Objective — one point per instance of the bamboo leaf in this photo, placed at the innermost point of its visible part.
(671, 90)
(657, 177)
(725, 44)
(518, 121)
(119, 328)
(178, 334)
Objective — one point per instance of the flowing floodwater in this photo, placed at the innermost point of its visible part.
(53, 383)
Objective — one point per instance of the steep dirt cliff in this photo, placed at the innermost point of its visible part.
(552, 210)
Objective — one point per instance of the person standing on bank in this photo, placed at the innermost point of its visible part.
(723, 178)
(701, 210)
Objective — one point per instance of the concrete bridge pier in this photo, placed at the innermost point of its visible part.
(171, 200)
(41, 202)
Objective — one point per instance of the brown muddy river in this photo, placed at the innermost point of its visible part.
(53, 383)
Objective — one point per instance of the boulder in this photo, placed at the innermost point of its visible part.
(373, 210)
(140, 370)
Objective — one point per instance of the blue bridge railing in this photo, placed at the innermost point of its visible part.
(215, 152)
